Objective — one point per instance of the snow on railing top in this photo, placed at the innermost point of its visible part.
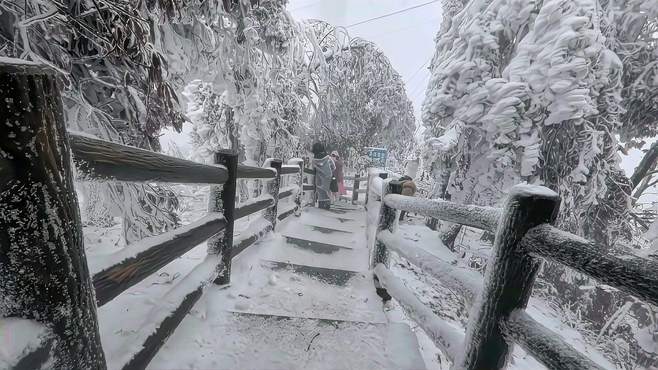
(446, 337)
(103, 262)
(632, 274)
(289, 169)
(102, 160)
(252, 172)
(461, 280)
(485, 218)
(19, 338)
(376, 185)
(114, 273)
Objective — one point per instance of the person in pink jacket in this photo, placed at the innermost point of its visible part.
(338, 174)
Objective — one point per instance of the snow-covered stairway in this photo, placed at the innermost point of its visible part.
(303, 298)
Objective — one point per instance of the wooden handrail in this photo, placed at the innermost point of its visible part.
(121, 270)
(444, 336)
(286, 192)
(253, 205)
(485, 218)
(98, 159)
(288, 169)
(251, 172)
(465, 282)
(543, 344)
(42, 149)
(632, 274)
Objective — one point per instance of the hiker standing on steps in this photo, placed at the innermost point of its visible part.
(339, 177)
(324, 169)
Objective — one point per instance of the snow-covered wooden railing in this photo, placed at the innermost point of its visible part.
(524, 237)
(45, 274)
(355, 188)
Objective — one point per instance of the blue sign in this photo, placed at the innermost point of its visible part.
(378, 156)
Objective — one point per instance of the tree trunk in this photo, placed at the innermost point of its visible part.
(43, 267)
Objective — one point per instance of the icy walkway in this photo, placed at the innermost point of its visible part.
(302, 298)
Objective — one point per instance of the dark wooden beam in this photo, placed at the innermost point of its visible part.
(485, 218)
(249, 172)
(148, 256)
(543, 344)
(632, 274)
(249, 208)
(98, 159)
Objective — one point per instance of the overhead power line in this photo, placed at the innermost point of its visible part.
(391, 14)
(418, 70)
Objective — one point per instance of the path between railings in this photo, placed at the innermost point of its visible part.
(301, 298)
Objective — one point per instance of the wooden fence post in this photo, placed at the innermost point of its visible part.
(382, 175)
(273, 189)
(222, 199)
(509, 277)
(355, 189)
(388, 220)
(43, 266)
(300, 192)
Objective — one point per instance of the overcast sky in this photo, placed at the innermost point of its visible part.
(407, 38)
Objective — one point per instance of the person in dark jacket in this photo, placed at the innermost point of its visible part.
(324, 170)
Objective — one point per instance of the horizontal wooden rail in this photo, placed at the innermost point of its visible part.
(289, 169)
(308, 187)
(632, 274)
(309, 171)
(444, 336)
(543, 344)
(119, 271)
(485, 218)
(286, 213)
(103, 160)
(286, 192)
(253, 205)
(250, 172)
(463, 281)
(171, 310)
(244, 241)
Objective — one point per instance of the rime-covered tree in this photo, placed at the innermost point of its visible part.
(361, 99)
(117, 86)
(539, 91)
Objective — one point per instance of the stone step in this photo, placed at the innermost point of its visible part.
(291, 289)
(257, 342)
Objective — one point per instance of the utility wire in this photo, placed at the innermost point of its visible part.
(391, 14)
(418, 70)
